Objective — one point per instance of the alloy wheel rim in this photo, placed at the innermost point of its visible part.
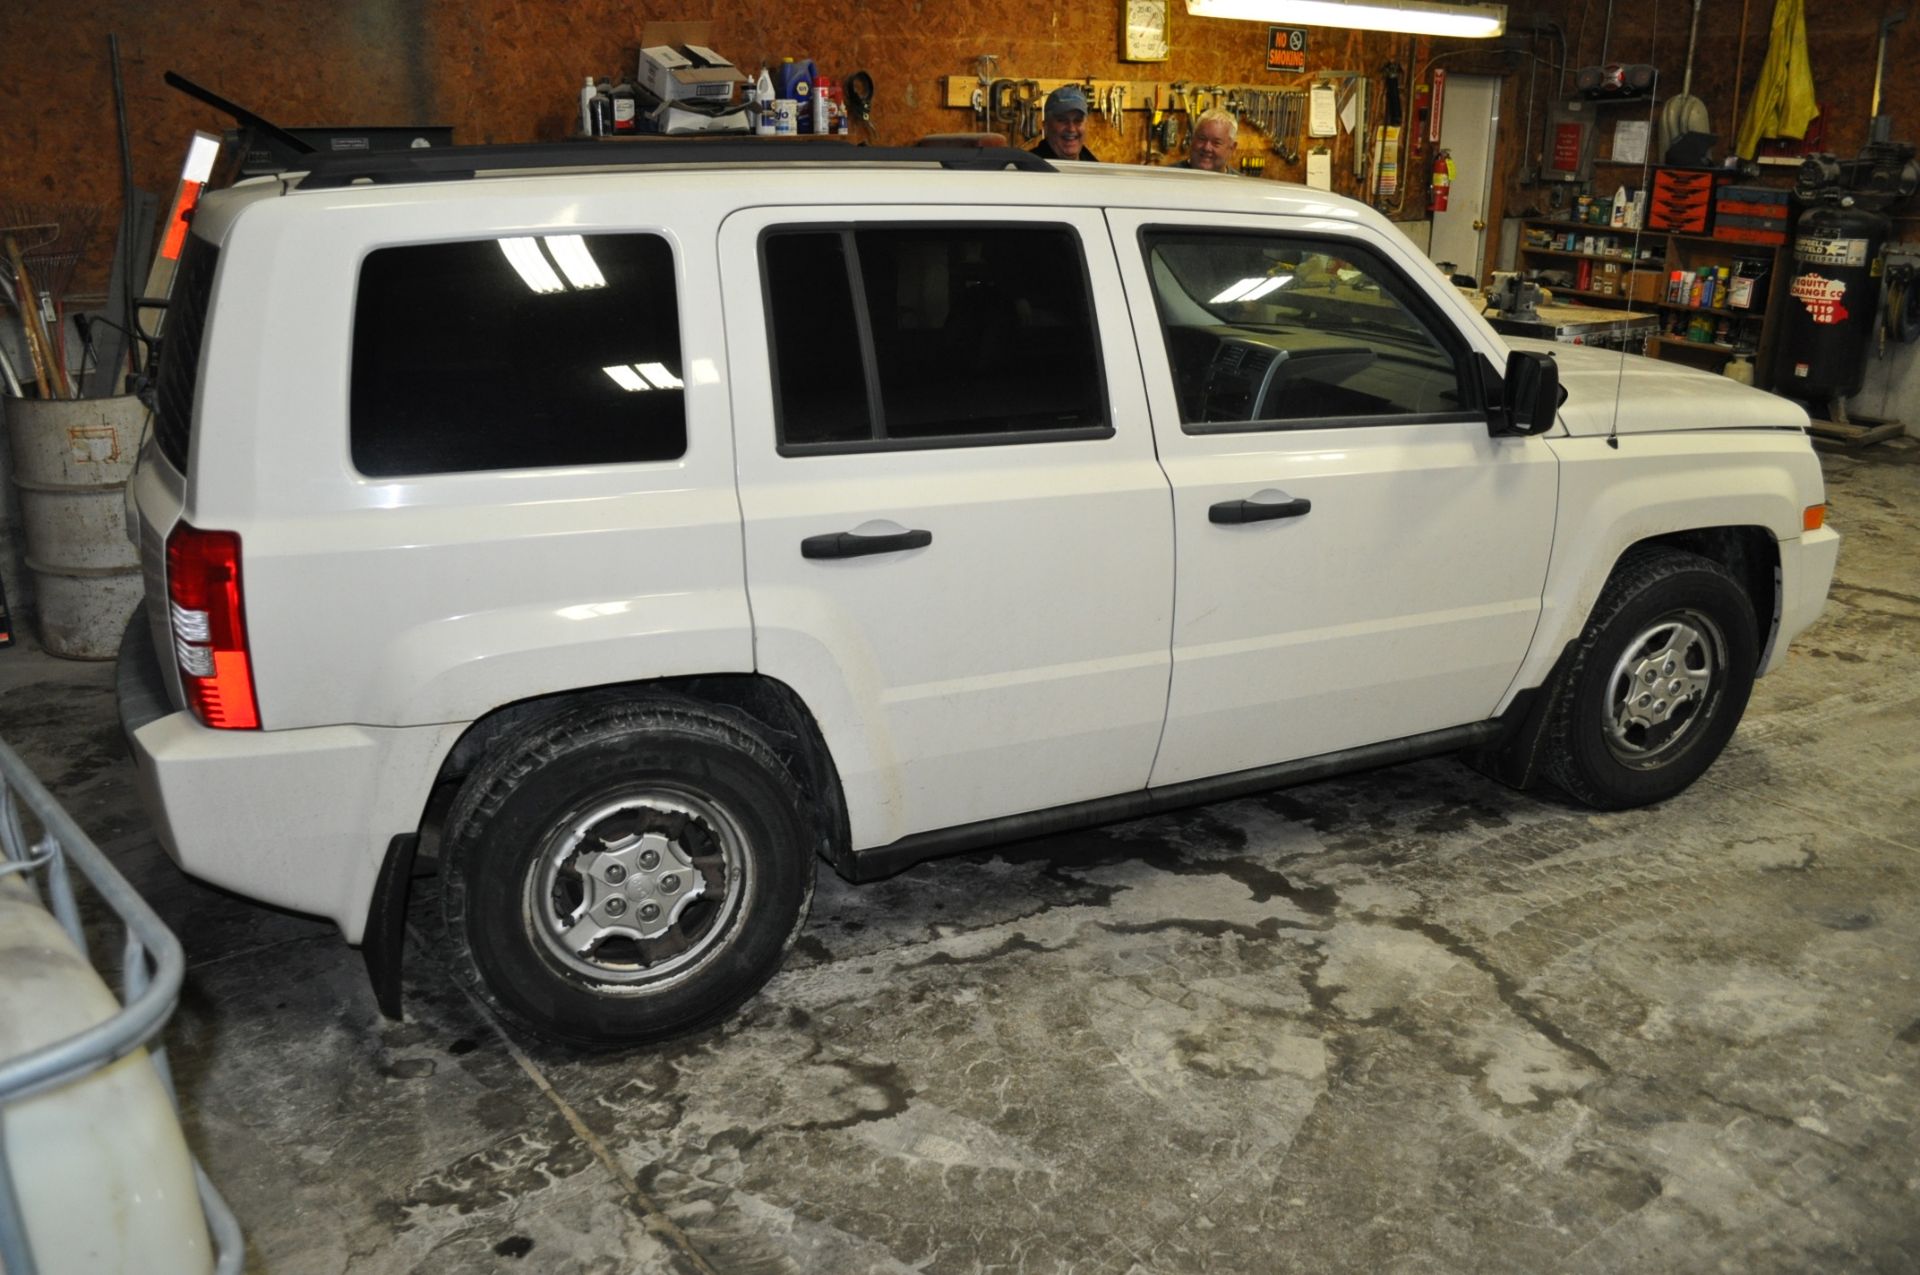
(1663, 688)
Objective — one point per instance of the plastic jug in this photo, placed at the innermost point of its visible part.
(794, 82)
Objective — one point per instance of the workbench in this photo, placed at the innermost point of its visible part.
(1572, 324)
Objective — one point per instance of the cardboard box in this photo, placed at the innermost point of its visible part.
(1646, 285)
(677, 62)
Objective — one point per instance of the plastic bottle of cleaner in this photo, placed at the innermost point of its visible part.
(626, 109)
(586, 108)
(765, 125)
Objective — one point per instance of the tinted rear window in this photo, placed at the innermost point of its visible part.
(517, 353)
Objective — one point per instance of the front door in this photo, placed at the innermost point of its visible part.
(1357, 560)
(958, 541)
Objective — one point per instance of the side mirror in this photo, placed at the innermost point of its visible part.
(1529, 398)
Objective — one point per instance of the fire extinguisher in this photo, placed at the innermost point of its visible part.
(1442, 181)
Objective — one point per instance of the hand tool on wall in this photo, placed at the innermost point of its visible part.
(857, 92)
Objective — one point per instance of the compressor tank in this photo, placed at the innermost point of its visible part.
(1833, 301)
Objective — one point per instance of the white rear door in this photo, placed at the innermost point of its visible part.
(1358, 560)
(958, 539)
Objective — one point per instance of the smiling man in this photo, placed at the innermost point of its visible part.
(1212, 145)
(1064, 125)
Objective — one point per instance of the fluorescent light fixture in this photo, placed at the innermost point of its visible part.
(1416, 17)
(525, 256)
(626, 378)
(571, 255)
(658, 374)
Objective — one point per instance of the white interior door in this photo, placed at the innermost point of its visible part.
(1469, 122)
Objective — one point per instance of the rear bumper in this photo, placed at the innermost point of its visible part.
(1806, 573)
(297, 818)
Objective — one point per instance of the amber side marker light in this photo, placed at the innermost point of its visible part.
(1813, 517)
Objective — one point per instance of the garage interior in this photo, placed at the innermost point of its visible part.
(1407, 1020)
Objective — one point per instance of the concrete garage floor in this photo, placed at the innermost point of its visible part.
(1407, 1021)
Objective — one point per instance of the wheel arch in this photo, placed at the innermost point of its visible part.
(774, 708)
(1750, 553)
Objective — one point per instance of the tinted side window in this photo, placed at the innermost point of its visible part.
(1266, 328)
(939, 334)
(517, 353)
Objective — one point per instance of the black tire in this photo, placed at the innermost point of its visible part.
(1657, 684)
(626, 872)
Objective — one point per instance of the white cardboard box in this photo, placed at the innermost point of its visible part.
(671, 73)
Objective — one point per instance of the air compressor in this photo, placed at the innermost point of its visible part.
(1839, 258)
(1834, 298)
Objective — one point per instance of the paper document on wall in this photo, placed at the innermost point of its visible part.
(1320, 169)
(1321, 117)
(1630, 142)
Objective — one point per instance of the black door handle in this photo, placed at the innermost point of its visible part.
(1237, 511)
(851, 544)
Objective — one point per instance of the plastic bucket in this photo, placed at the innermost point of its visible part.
(71, 462)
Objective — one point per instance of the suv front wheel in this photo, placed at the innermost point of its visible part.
(1658, 682)
(627, 872)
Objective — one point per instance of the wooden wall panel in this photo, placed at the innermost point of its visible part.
(510, 70)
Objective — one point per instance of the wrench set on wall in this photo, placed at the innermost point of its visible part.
(1014, 107)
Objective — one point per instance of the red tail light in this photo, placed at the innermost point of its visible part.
(209, 627)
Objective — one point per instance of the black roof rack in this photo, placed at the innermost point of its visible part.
(459, 163)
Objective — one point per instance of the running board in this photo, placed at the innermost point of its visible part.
(884, 861)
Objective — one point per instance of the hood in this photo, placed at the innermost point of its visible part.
(1654, 396)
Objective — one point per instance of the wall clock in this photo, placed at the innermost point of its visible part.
(1143, 31)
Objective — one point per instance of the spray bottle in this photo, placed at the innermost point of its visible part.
(586, 108)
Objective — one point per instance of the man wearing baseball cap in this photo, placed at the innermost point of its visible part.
(1064, 125)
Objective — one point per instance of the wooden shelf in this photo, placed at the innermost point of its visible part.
(1704, 347)
(1679, 249)
(1588, 256)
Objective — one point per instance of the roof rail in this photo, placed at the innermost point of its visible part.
(460, 163)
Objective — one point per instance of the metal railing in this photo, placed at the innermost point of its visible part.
(152, 967)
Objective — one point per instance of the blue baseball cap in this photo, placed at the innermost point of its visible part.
(1068, 97)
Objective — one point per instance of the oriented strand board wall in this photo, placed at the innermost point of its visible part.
(510, 70)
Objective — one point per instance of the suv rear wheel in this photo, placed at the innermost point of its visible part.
(627, 872)
(1658, 682)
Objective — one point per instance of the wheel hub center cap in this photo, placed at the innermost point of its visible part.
(1661, 684)
(633, 888)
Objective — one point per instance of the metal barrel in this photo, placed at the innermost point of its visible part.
(71, 462)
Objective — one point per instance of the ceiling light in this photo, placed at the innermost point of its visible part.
(626, 378)
(1416, 17)
(658, 374)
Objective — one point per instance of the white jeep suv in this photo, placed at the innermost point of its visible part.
(657, 522)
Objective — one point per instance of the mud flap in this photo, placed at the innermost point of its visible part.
(1514, 758)
(385, 936)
